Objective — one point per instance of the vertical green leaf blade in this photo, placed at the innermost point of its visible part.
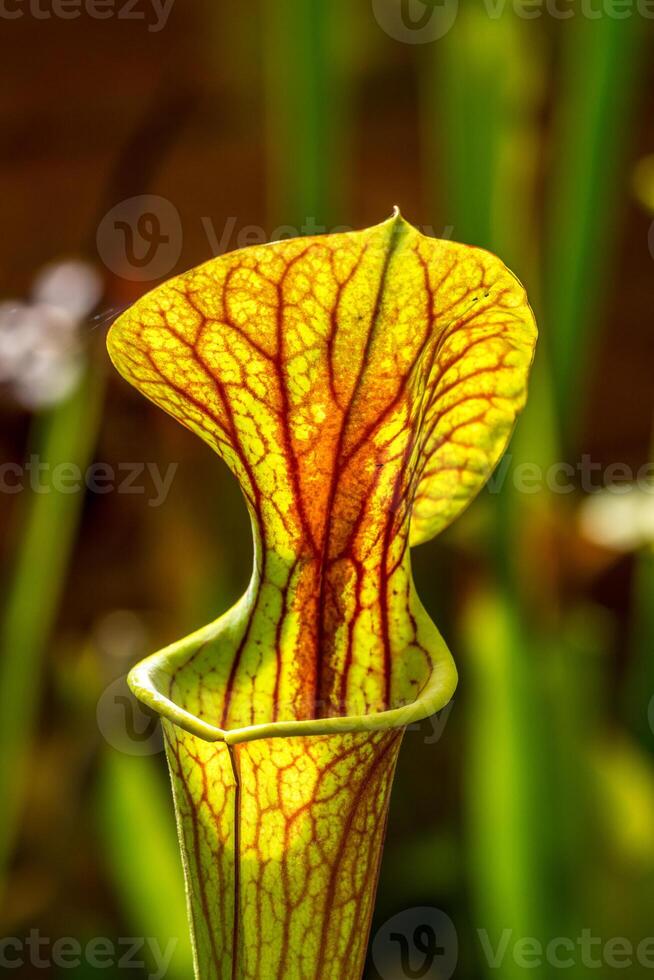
(65, 434)
(597, 94)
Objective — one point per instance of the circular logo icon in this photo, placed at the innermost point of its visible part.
(416, 21)
(416, 943)
(125, 723)
(140, 239)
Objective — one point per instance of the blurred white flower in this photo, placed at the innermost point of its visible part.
(48, 378)
(73, 286)
(19, 334)
(41, 357)
(621, 522)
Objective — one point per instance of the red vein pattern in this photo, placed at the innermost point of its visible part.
(295, 898)
(361, 387)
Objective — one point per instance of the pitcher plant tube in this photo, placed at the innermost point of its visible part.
(361, 387)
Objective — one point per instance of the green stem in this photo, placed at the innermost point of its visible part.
(599, 87)
(64, 434)
(306, 111)
(139, 841)
(504, 782)
(489, 125)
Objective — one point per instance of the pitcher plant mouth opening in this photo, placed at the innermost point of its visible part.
(361, 387)
(153, 682)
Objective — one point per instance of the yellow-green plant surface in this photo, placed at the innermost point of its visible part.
(361, 387)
